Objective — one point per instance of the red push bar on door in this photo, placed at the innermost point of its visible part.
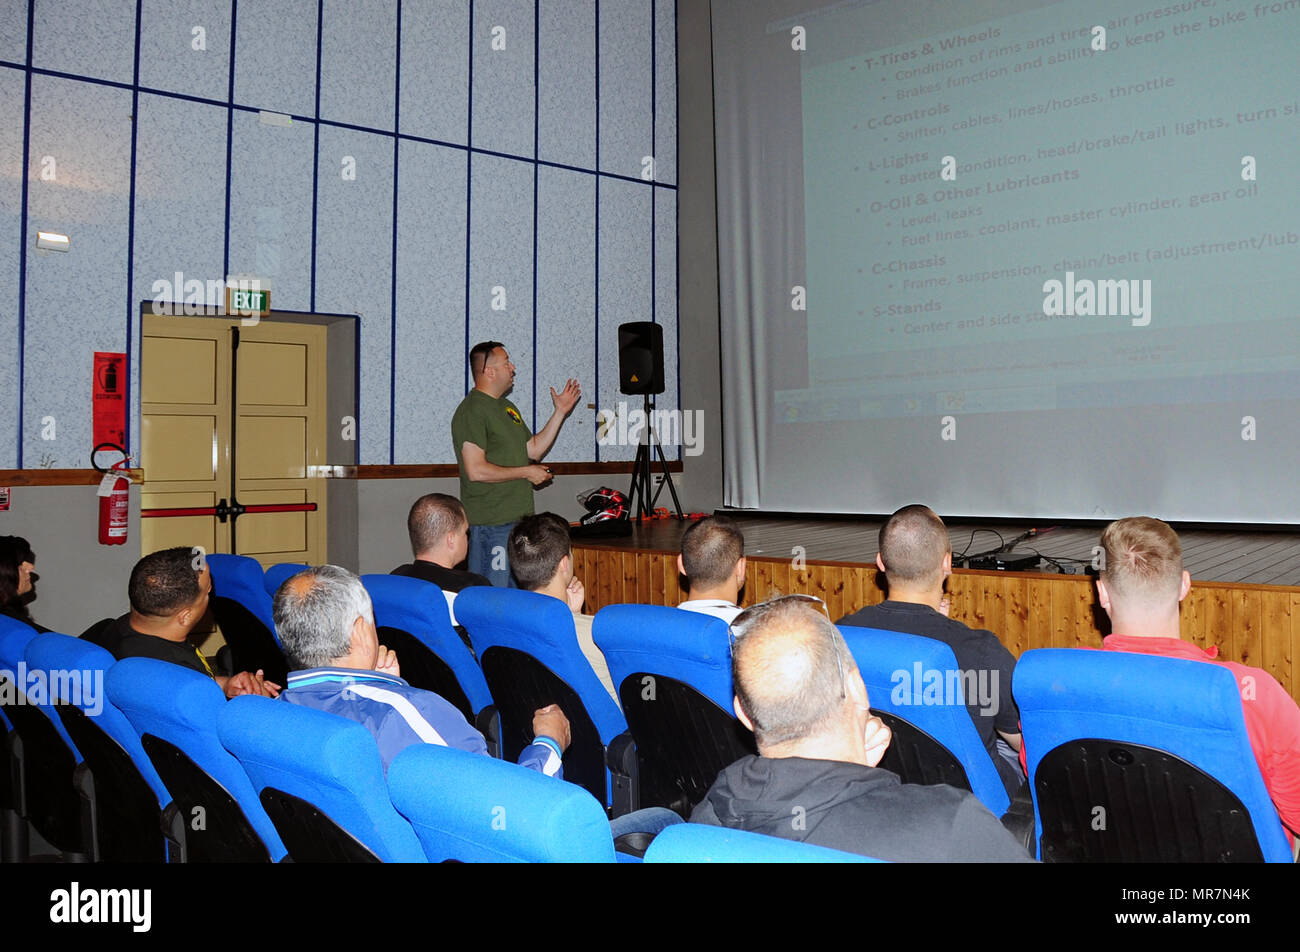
(222, 511)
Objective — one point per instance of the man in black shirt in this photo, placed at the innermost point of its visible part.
(439, 531)
(916, 557)
(169, 597)
(815, 778)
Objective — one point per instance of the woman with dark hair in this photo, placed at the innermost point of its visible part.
(17, 579)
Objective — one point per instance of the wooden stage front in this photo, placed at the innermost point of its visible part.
(1245, 594)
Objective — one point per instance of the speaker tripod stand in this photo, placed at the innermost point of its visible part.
(641, 503)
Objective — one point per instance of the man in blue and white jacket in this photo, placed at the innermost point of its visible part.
(326, 624)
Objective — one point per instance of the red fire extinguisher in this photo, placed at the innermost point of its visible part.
(114, 504)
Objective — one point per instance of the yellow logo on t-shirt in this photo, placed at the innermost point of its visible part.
(514, 415)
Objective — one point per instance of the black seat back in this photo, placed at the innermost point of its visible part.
(1104, 801)
(917, 757)
(683, 740)
(52, 804)
(128, 820)
(310, 835)
(421, 668)
(252, 646)
(520, 684)
(210, 825)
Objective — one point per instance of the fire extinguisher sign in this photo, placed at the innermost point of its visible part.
(109, 399)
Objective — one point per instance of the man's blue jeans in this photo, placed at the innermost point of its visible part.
(487, 554)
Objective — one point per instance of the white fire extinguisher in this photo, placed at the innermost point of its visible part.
(114, 505)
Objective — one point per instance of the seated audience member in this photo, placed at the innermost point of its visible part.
(327, 626)
(916, 557)
(1141, 583)
(713, 561)
(541, 558)
(169, 597)
(815, 777)
(439, 531)
(18, 580)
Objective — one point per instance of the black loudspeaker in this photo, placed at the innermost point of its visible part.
(641, 357)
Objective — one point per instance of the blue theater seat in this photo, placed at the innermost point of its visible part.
(277, 574)
(320, 780)
(673, 673)
(471, 808)
(1136, 758)
(530, 657)
(174, 710)
(42, 760)
(698, 843)
(932, 742)
(243, 610)
(125, 793)
(412, 618)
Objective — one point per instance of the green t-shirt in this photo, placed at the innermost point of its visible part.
(496, 426)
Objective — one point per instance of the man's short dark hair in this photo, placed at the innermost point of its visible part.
(432, 516)
(913, 542)
(164, 582)
(788, 666)
(710, 550)
(14, 551)
(479, 354)
(536, 546)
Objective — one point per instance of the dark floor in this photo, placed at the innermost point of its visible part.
(1261, 558)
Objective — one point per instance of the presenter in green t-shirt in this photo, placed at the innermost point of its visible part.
(496, 454)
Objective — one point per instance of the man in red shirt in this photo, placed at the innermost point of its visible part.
(1141, 583)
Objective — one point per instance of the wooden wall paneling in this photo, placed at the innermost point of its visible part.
(1254, 625)
(1014, 629)
(580, 572)
(654, 577)
(1040, 614)
(1218, 621)
(781, 580)
(611, 576)
(673, 591)
(958, 592)
(1247, 614)
(1191, 621)
(1087, 633)
(627, 591)
(989, 605)
(758, 581)
(1293, 644)
(820, 585)
(1062, 606)
(1275, 632)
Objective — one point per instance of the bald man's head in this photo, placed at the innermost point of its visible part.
(913, 544)
(789, 667)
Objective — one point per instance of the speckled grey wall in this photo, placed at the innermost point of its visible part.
(11, 204)
(441, 176)
(75, 302)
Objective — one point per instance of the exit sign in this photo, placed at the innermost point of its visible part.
(247, 301)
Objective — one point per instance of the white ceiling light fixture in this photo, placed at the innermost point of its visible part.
(52, 241)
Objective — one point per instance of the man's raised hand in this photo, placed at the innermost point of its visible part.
(567, 398)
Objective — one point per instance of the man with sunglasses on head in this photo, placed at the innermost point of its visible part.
(815, 777)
